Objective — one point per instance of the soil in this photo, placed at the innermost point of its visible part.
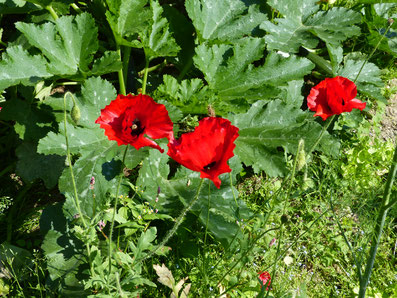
(389, 123)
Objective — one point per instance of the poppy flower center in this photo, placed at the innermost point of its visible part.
(136, 127)
(209, 166)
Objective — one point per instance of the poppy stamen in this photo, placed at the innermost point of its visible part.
(136, 128)
(209, 166)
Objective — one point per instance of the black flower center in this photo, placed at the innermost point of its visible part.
(209, 166)
(136, 127)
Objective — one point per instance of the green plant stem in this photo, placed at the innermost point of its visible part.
(325, 127)
(12, 213)
(358, 264)
(178, 222)
(114, 215)
(145, 74)
(76, 8)
(153, 68)
(245, 254)
(126, 60)
(69, 160)
(52, 12)
(320, 62)
(373, 51)
(120, 72)
(385, 206)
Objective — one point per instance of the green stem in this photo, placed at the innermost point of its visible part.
(373, 51)
(358, 264)
(12, 213)
(153, 68)
(120, 72)
(126, 60)
(145, 74)
(320, 62)
(52, 12)
(325, 127)
(385, 206)
(76, 8)
(69, 160)
(176, 225)
(114, 215)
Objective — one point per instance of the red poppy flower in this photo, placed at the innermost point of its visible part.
(207, 149)
(334, 96)
(127, 120)
(265, 279)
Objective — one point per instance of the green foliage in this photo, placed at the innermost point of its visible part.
(215, 208)
(18, 67)
(304, 25)
(230, 72)
(224, 20)
(262, 132)
(69, 44)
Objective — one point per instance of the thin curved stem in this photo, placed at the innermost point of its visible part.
(325, 127)
(373, 51)
(120, 72)
(114, 214)
(52, 12)
(145, 74)
(69, 160)
(379, 225)
(177, 223)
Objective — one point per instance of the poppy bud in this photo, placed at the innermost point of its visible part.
(76, 114)
(301, 155)
(390, 21)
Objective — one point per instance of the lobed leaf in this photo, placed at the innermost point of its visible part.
(369, 81)
(263, 131)
(69, 44)
(182, 188)
(230, 71)
(19, 67)
(127, 18)
(304, 25)
(225, 19)
(157, 39)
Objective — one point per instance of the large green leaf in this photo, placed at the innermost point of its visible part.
(191, 96)
(95, 95)
(368, 82)
(230, 71)
(32, 165)
(64, 253)
(219, 204)
(267, 127)
(19, 67)
(224, 19)
(109, 62)
(157, 39)
(132, 19)
(128, 18)
(303, 25)
(69, 44)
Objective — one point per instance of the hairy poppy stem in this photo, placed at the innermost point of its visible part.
(69, 160)
(178, 222)
(114, 215)
(120, 72)
(52, 12)
(384, 208)
(373, 51)
(145, 74)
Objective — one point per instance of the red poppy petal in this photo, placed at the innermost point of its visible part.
(141, 111)
(207, 149)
